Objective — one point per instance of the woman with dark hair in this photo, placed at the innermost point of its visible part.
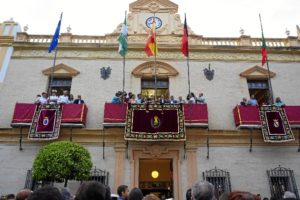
(92, 191)
(135, 194)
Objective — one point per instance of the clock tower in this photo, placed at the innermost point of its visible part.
(141, 16)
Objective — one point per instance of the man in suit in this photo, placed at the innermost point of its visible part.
(78, 100)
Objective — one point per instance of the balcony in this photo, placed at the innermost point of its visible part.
(73, 115)
(195, 115)
(248, 116)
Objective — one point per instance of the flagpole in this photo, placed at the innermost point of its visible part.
(271, 98)
(53, 68)
(188, 64)
(123, 89)
(155, 77)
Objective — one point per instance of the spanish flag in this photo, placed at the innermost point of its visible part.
(151, 47)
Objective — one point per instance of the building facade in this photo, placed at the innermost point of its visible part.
(26, 67)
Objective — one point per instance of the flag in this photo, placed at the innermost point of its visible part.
(151, 47)
(185, 40)
(55, 38)
(263, 51)
(123, 46)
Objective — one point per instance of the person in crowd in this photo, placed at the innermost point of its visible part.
(23, 194)
(92, 190)
(151, 197)
(79, 100)
(188, 194)
(139, 98)
(172, 100)
(66, 193)
(46, 193)
(278, 102)
(252, 101)
(128, 97)
(42, 99)
(203, 190)
(289, 195)
(37, 98)
(238, 195)
(53, 98)
(123, 192)
(162, 100)
(244, 102)
(191, 98)
(63, 99)
(132, 99)
(116, 98)
(201, 98)
(180, 100)
(135, 194)
(71, 98)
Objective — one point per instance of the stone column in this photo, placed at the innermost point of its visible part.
(119, 165)
(191, 159)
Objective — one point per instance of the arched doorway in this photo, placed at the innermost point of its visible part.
(163, 159)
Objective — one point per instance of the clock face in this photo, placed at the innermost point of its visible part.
(158, 22)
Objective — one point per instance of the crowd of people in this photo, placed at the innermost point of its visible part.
(65, 98)
(253, 102)
(92, 190)
(139, 98)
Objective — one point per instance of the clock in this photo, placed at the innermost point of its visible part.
(158, 22)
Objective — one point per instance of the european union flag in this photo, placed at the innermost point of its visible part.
(55, 38)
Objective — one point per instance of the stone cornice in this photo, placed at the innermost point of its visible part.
(114, 136)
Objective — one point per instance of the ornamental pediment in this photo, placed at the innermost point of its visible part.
(61, 70)
(257, 72)
(153, 6)
(148, 70)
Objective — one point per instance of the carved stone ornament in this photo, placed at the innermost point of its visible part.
(105, 72)
(209, 73)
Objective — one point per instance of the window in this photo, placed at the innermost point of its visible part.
(148, 87)
(282, 179)
(260, 90)
(61, 84)
(220, 179)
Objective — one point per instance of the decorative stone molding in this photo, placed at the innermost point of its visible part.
(157, 6)
(61, 70)
(147, 70)
(257, 73)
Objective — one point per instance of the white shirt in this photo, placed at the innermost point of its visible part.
(63, 99)
(53, 99)
(42, 100)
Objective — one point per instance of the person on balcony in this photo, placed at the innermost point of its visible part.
(71, 98)
(63, 99)
(53, 98)
(131, 98)
(180, 100)
(201, 99)
(278, 102)
(244, 102)
(42, 99)
(139, 99)
(162, 100)
(172, 100)
(191, 98)
(252, 101)
(79, 100)
(116, 98)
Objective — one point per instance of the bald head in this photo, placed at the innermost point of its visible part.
(23, 194)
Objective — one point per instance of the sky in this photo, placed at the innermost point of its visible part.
(210, 18)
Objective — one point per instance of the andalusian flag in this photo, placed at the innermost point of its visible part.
(123, 46)
(263, 51)
(185, 40)
(151, 46)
